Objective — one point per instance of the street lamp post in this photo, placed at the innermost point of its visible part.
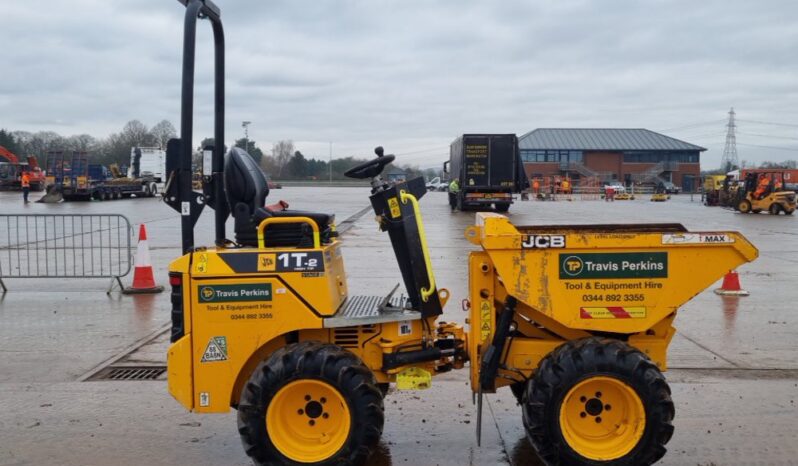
(330, 163)
(245, 125)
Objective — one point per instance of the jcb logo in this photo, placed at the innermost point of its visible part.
(543, 242)
(266, 262)
(572, 266)
(207, 293)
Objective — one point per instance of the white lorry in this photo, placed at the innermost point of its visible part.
(151, 163)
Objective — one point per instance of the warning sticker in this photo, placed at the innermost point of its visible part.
(612, 312)
(216, 350)
(393, 204)
(484, 316)
(202, 263)
(405, 328)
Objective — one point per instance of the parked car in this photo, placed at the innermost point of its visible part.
(618, 188)
(671, 188)
(436, 184)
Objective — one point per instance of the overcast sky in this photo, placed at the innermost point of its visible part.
(412, 75)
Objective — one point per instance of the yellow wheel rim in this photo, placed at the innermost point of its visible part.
(308, 421)
(602, 418)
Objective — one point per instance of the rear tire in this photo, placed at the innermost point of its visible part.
(583, 381)
(774, 209)
(502, 207)
(321, 405)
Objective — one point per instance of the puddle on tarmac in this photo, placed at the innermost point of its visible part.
(522, 454)
(381, 456)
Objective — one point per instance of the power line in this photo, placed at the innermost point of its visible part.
(768, 136)
(790, 125)
(721, 133)
(694, 125)
(794, 149)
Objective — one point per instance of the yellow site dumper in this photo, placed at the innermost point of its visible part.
(579, 319)
(576, 320)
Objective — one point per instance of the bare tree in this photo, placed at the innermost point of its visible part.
(282, 152)
(134, 133)
(81, 142)
(163, 132)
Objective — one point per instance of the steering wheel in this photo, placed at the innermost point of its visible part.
(371, 168)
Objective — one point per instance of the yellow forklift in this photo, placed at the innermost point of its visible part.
(575, 320)
(764, 190)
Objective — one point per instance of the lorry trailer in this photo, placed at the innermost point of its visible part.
(77, 180)
(488, 169)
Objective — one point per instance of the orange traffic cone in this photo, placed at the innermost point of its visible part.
(731, 286)
(143, 279)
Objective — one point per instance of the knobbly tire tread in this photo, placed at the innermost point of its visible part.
(576, 360)
(316, 360)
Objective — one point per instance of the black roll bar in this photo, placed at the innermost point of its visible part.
(196, 9)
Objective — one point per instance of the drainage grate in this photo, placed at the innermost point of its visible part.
(123, 373)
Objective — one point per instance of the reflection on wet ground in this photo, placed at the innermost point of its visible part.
(736, 404)
(522, 454)
(730, 306)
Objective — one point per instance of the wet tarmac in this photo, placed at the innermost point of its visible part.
(734, 370)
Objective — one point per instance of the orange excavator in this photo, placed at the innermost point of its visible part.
(11, 170)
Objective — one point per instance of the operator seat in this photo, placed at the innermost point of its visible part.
(246, 189)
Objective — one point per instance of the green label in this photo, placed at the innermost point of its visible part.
(227, 293)
(614, 265)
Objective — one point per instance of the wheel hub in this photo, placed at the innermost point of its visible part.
(594, 406)
(314, 409)
(308, 420)
(602, 418)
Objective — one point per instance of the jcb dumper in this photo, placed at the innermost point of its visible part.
(576, 320)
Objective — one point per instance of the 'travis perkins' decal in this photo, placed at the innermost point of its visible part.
(614, 265)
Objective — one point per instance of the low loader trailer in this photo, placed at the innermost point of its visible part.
(70, 176)
(575, 320)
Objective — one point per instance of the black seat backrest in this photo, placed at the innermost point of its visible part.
(244, 182)
(246, 189)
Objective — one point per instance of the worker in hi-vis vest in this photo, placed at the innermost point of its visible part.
(454, 188)
(25, 186)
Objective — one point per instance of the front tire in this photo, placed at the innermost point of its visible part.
(310, 403)
(598, 401)
(744, 206)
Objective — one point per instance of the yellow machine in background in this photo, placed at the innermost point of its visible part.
(576, 320)
(765, 191)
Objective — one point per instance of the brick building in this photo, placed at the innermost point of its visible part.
(622, 156)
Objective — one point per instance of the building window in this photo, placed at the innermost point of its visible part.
(660, 156)
(550, 156)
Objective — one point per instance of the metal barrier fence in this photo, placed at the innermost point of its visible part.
(65, 246)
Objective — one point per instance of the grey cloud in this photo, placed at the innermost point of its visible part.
(410, 75)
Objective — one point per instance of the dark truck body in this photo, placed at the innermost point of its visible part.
(488, 168)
